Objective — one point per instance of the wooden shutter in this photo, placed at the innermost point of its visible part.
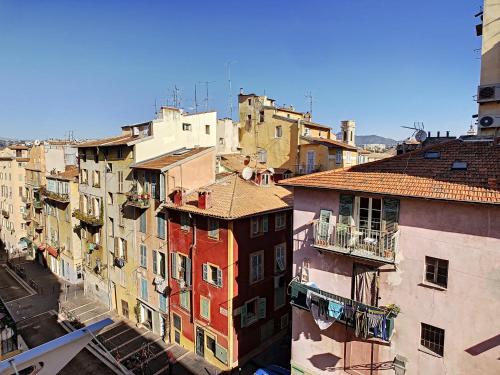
(219, 277)
(221, 353)
(124, 249)
(174, 265)
(390, 213)
(188, 272)
(346, 209)
(155, 262)
(205, 272)
(261, 308)
(243, 315)
(162, 187)
(115, 249)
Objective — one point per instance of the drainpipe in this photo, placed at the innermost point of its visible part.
(191, 252)
(105, 215)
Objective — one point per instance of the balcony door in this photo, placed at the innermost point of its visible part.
(369, 213)
(311, 157)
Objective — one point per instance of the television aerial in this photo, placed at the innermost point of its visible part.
(419, 133)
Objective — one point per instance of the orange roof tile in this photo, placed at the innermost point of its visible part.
(412, 175)
(163, 161)
(233, 197)
(330, 143)
(110, 141)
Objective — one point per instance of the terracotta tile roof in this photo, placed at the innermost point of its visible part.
(110, 141)
(315, 125)
(330, 143)
(233, 197)
(70, 172)
(412, 175)
(165, 160)
(236, 163)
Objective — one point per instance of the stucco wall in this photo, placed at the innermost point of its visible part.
(466, 235)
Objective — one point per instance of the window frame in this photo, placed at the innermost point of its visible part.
(434, 347)
(208, 270)
(207, 301)
(143, 256)
(434, 280)
(278, 220)
(256, 276)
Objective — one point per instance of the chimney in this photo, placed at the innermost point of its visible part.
(241, 90)
(178, 196)
(204, 199)
(438, 133)
(447, 134)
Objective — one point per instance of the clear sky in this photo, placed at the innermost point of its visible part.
(93, 66)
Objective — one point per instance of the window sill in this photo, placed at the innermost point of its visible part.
(426, 284)
(423, 349)
(280, 228)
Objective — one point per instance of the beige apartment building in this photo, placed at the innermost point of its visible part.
(282, 137)
(13, 228)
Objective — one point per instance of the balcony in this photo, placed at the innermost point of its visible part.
(307, 168)
(87, 218)
(5, 214)
(298, 299)
(27, 216)
(58, 197)
(38, 204)
(138, 200)
(359, 242)
(37, 226)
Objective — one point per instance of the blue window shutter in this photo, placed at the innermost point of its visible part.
(188, 272)
(219, 277)
(174, 265)
(142, 222)
(144, 289)
(261, 308)
(205, 272)
(155, 260)
(163, 303)
(221, 353)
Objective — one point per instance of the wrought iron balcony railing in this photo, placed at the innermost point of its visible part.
(355, 241)
(59, 197)
(138, 200)
(88, 218)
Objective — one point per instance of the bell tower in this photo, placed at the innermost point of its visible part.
(348, 128)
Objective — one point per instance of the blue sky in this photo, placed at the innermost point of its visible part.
(92, 66)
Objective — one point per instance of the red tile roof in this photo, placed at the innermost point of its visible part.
(110, 141)
(330, 143)
(412, 175)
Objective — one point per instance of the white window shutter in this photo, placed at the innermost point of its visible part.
(219, 277)
(174, 265)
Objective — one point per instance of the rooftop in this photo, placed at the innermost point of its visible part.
(315, 125)
(330, 143)
(234, 197)
(414, 175)
(167, 160)
(70, 172)
(110, 141)
(236, 163)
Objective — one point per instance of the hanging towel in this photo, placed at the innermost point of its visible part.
(361, 329)
(322, 319)
(335, 309)
(349, 312)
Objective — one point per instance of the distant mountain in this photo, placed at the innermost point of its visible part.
(371, 139)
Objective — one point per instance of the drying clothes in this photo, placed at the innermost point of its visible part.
(377, 321)
(322, 319)
(349, 312)
(361, 323)
(335, 309)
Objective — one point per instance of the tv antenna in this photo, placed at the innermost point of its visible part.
(419, 132)
(310, 99)
(206, 87)
(177, 97)
(230, 97)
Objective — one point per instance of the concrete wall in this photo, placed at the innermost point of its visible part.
(466, 235)
(227, 130)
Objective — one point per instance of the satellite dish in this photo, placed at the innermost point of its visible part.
(421, 136)
(247, 173)
(36, 143)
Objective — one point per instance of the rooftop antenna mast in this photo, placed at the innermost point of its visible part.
(195, 100)
(156, 109)
(177, 97)
(310, 97)
(206, 98)
(228, 64)
(419, 132)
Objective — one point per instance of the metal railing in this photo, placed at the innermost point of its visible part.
(362, 242)
(307, 168)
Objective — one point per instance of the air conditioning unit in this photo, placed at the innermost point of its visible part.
(489, 121)
(488, 93)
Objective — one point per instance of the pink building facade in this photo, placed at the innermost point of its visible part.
(430, 266)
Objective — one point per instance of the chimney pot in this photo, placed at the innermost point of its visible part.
(438, 133)
(447, 133)
(429, 134)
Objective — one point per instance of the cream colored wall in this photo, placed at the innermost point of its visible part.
(167, 133)
(227, 130)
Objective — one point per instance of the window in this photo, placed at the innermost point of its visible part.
(280, 221)
(338, 157)
(212, 274)
(432, 338)
(284, 321)
(144, 289)
(459, 165)
(184, 299)
(207, 129)
(436, 271)
(160, 221)
(143, 256)
(348, 157)
(109, 167)
(265, 179)
(259, 225)
(213, 228)
(142, 222)
(120, 181)
(432, 155)
(262, 156)
(307, 131)
(119, 153)
(162, 302)
(256, 267)
(84, 177)
(110, 198)
(221, 141)
(278, 132)
(261, 116)
(111, 227)
(249, 101)
(279, 291)
(280, 258)
(181, 268)
(211, 343)
(205, 308)
(185, 221)
(96, 178)
(155, 262)
(162, 271)
(252, 311)
(177, 322)
(249, 117)
(186, 127)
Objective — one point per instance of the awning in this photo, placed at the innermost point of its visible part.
(52, 251)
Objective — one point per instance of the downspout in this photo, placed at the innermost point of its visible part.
(105, 216)
(191, 252)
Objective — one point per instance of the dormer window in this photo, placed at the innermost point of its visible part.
(265, 179)
(307, 131)
(432, 155)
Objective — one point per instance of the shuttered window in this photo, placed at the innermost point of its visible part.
(205, 308)
(160, 221)
(346, 209)
(184, 300)
(213, 228)
(144, 289)
(142, 222)
(221, 353)
(163, 303)
(212, 274)
(155, 262)
(144, 256)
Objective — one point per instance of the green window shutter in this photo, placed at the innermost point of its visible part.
(390, 213)
(345, 209)
(243, 316)
(188, 272)
(221, 353)
(174, 265)
(155, 264)
(205, 272)
(261, 308)
(219, 277)
(265, 223)
(162, 187)
(205, 308)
